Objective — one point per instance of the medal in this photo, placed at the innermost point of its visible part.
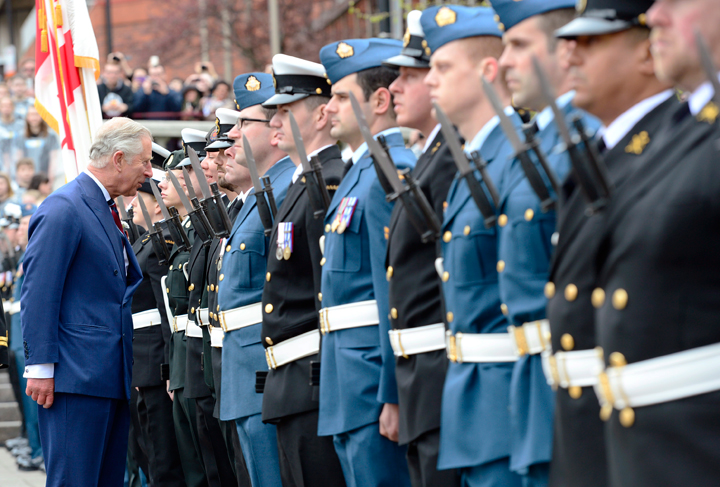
(287, 253)
(219, 266)
(279, 253)
(341, 228)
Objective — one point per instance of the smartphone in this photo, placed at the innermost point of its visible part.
(154, 61)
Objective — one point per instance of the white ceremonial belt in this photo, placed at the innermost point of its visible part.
(241, 317)
(193, 330)
(412, 341)
(659, 380)
(216, 336)
(179, 323)
(144, 319)
(7, 304)
(14, 307)
(579, 368)
(353, 315)
(293, 349)
(531, 338)
(202, 317)
(479, 347)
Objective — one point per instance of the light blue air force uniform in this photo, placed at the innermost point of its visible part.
(242, 277)
(475, 421)
(357, 375)
(525, 248)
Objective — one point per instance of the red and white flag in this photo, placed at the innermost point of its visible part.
(67, 67)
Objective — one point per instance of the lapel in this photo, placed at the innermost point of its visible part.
(134, 273)
(96, 202)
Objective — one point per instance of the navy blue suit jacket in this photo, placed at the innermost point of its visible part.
(76, 298)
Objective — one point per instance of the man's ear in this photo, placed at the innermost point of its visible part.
(381, 101)
(320, 117)
(489, 68)
(118, 159)
(156, 210)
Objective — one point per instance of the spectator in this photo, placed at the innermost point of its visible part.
(202, 81)
(176, 84)
(191, 103)
(119, 59)
(21, 95)
(156, 97)
(40, 143)
(41, 183)
(27, 69)
(217, 99)
(6, 191)
(24, 172)
(116, 97)
(138, 76)
(11, 131)
(31, 197)
(4, 91)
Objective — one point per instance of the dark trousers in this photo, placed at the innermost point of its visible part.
(155, 412)
(137, 452)
(186, 435)
(422, 456)
(84, 440)
(306, 459)
(215, 457)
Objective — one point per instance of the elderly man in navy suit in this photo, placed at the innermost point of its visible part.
(80, 275)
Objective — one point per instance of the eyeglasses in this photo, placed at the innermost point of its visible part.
(241, 121)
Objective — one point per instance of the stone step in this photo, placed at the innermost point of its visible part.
(6, 393)
(4, 376)
(9, 411)
(9, 429)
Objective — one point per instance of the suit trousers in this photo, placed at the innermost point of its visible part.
(537, 475)
(85, 440)
(369, 459)
(306, 459)
(215, 458)
(155, 411)
(422, 458)
(258, 442)
(186, 435)
(491, 474)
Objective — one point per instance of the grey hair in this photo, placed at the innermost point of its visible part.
(119, 134)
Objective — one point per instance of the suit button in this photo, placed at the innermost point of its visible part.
(191, 287)
(620, 299)
(598, 297)
(447, 236)
(268, 276)
(242, 246)
(115, 272)
(550, 290)
(567, 342)
(268, 308)
(389, 273)
(501, 265)
(571, 292)
(529, 214)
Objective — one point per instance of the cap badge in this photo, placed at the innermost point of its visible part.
(344, 50)
(217, 126)
(406, 37)
(445, 16)
(580, 6)
(252, 84)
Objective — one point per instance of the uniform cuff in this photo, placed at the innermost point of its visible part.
(39, 371)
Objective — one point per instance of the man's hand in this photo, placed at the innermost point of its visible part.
(167, 388)
(390, 422)
(42, 391)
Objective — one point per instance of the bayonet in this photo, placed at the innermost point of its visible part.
(127, 217)
(708, 65)
(419, 211)
(267, 187)
(188, 184)
(223, 230)
(213, 207)
(595, 187)
(156, 237)
(312, 172)
(466, 172)
(197, 217)
(195, 162)
(522, 150)
(262, 204)
(172, 222)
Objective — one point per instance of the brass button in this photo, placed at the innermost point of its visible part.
(445, 276)
(598, 297)
(320, 297)
(619, 299)
(393, 313)
(167, 290)
(571, 292)
(575, 392)
(207, 287)
(627, 417)
(389, 273)
(447, 236)
(529, 214)
(500, 265)
(328, 228)
(502, 220)
(217, 308)
(192, 310)
(191, 287)
(222, 276)
(617, 359)
(242, 246)
(450, 317)
(212, 287)
(606, 411)
(567, 341)
(445, 205)
(550, 290)
(227, 249)
(268, 340)
(268, 276)
(504, 309)
(322, 261)
(170, 268)
(466, 230)
(268, 308)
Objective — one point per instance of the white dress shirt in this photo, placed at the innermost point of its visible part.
(700, 97)
(360, 151)
(619, 127)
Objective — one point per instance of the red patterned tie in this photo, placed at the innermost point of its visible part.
(116, 216)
